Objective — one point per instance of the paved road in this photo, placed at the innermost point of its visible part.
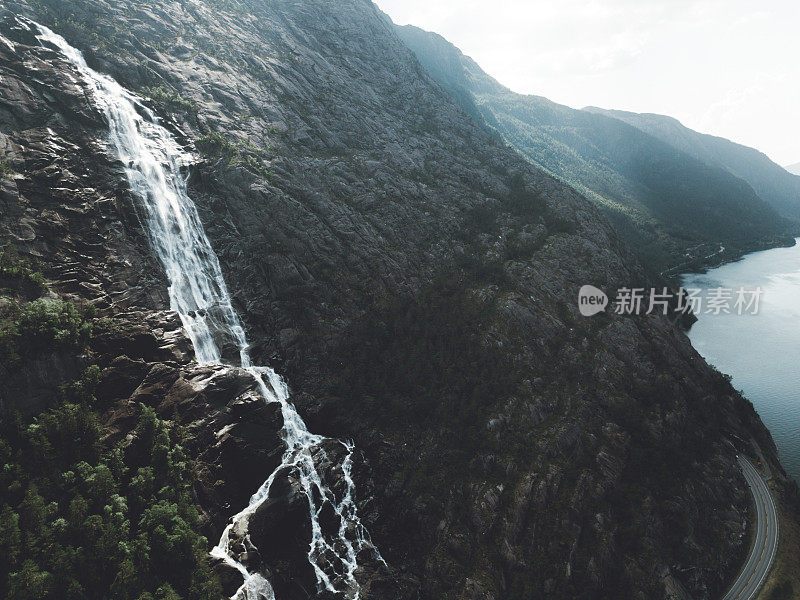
(765, 546)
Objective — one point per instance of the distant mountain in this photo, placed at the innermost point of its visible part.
(772, 182)
(671, 206)
(794, 169)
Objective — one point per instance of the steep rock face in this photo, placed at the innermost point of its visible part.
(416, 281)
(93, 251)
(62, 202)
(666, 200)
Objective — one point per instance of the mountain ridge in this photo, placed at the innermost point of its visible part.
(775, 184)
(672, 207)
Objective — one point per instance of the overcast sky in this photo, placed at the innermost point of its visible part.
(727, 67)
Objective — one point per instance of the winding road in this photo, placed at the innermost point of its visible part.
(765, 545)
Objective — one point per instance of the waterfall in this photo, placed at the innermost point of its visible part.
(155, 165)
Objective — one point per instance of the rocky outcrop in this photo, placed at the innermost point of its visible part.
(414, 279)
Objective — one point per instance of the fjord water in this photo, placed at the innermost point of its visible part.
(155, 166)
(761, 351)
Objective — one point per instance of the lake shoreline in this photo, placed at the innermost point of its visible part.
(729, 255)
(758, 350)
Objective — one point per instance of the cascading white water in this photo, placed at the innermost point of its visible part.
(153, 164)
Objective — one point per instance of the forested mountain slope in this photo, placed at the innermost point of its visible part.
(670, 205)
(778, 186)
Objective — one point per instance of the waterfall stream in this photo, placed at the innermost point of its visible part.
(155, 166)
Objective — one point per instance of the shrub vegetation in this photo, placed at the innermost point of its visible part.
(82, 521)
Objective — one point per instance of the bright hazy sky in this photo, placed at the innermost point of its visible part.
(726, 67)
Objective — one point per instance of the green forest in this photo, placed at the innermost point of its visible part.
(81, 518)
